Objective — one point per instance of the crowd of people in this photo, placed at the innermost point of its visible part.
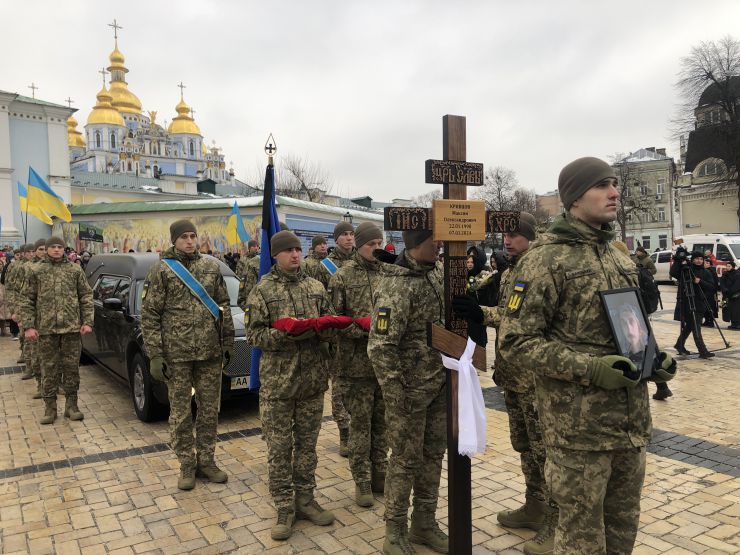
(356, 317)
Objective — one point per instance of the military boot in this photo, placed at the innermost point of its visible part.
(283, 527)
(186, 481)
(70, 408)
(39, 394)
(50, 414)
(27, 373)
(377, 481)
(307, 508)
(363, 494)
(425, 531)
(544, 542)
(397, 539)
(343, 439)
(530, 515)
(211, 472)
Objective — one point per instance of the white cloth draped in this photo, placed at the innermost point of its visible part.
(471, 410)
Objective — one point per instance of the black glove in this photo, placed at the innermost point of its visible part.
(477, 332)
(467, 308)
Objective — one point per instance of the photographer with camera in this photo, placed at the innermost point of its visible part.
(694, 284)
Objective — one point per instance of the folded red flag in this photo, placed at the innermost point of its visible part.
(294, 326)
(364, 322)
(333, 322)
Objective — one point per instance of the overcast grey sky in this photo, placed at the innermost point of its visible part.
(361, 87)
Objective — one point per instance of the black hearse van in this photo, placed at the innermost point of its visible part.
(116, 342)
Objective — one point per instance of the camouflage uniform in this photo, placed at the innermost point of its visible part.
(413, 380)
(351, 290)
(31, 348)
(312, 265)
(177, 327)
(293, 376)
(56, 301)
(14, 282)
(249, 274)
(595, 438)
(241, 266)
(518, 385)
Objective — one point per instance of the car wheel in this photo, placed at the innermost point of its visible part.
(146, 405)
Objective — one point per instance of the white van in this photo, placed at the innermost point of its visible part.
(724, 246)
(662, 261)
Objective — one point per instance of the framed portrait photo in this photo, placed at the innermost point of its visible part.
(631, 327)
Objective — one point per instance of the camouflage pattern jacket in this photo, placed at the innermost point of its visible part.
(555, 323)
(56, 297)
(513, 377)
(339, 258)
(241, 266)
(249, 274)
(312, 265)
(397, 345)
(174, 323)
(14, 282)
(288, 369)
(351, 292)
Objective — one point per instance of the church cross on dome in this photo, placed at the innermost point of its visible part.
(103, 73)
(181, 89)
(69, 101)
(192, 113)
(33, 88)
(116, 27)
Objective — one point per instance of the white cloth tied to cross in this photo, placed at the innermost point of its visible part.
(471, 410)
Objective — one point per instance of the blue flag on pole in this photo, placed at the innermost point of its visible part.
(270, 226)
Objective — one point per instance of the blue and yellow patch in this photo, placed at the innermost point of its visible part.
(517, 297)
(382, 321)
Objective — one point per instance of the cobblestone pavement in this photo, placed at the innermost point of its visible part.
(108, 484)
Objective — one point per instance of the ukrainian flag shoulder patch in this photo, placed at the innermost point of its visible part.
(517, 297)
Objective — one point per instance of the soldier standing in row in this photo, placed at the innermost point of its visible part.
(56, 309)
(351, 290)
(189, 336)
(413, 380)
(312, 262)
(293, 375)
(33, 361)
(253, 251)
(14, 283)
(249, 275)
(593, 408)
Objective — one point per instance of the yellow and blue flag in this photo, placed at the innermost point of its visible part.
(235, 231)
(42, 196)
(31, 208)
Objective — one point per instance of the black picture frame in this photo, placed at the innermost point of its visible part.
(629, 323)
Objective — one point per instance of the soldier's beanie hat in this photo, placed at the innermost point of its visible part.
(579, 176)
(527, 225)
(341, 227)
(284, 240)
(39, 243)
(252, 243)
(28, 247)
(413, 239)
(318, 240)
(621, 247)
(697, 254)
(366, 232)
(54, 241)
(179, 227)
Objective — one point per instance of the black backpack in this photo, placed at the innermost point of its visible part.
(649, 289)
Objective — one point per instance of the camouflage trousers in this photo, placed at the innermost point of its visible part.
(417, 434)
(59, 354)
(598, 493)
(205, 377)
(33, 360)
(368, 445)
(526, 438)
(291, 428)
(340, 414)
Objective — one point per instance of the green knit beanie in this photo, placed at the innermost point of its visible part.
(179, 227)
(366, 232)
(282, 241)
(579, 176)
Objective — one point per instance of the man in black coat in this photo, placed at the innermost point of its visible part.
(695, 287)
(730, 283)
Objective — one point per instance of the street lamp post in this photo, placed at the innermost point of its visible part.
(347, 217)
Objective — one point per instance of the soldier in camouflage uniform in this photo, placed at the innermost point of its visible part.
(33, 362)
(413, 380)
(14, 282)
(56, 309)
(293, 375)
(249, 274)
(187, 348)
(253, 251)
(539, 512)
(351, 290)
(312, 262)
(593, 407)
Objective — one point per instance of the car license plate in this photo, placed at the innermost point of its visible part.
(240, 382)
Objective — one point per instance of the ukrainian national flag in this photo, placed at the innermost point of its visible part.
(235, 230)
(42, 196)
(30, 208)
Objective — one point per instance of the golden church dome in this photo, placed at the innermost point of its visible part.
(74, 137)
(103, 112)
(116, 58)
(123, 99)
(183, 123)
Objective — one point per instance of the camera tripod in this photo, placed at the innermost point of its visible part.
(687, 279)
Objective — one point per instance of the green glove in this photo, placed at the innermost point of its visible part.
(666, 369)
(158, 369)
(613, 372)
(310, 334)
(227, 351)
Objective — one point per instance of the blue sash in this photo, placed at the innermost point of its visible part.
(194, 285)
(329, 266)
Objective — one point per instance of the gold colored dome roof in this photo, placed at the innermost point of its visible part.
(183, 123)
(74, 137)
(103, 112)
(123, 99)
(116, 57)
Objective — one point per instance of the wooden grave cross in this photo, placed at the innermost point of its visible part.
(454, 220)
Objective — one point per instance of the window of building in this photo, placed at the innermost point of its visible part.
(98, 139)
(709, 168)
(644, 189)
(191, 148)
(112, 141)
(646, 242)
(661, 214)
(663, 242)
